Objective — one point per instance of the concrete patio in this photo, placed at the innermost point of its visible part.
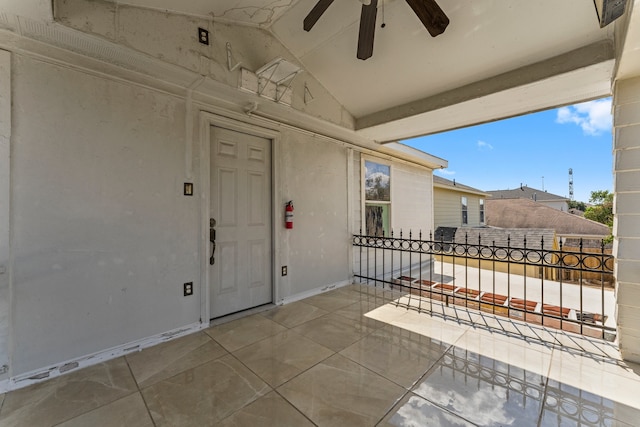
(347, 357)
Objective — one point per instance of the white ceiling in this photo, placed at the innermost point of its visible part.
(484, 38)
(410, 70)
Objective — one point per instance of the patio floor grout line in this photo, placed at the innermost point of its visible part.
(146, 405)
(546, 387)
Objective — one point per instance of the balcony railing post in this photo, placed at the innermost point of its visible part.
(602, 266)
(542, 258)
(581, 264)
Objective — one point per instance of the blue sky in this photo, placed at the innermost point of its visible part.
(503, 154)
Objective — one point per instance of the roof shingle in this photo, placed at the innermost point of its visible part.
(525, 192)
(523, 213)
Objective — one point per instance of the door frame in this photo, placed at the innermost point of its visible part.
(207, 120)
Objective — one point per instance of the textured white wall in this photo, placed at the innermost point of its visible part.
(314, 176)
(103, 237)
(173, 39)
(35, 9)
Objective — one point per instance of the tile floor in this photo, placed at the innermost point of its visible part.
(343, 358)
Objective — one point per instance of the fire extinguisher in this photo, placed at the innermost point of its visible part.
(288, 215)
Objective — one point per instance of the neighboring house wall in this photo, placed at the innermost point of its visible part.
(559, 205)
(448, 208)
(103, 237)
(411, 195)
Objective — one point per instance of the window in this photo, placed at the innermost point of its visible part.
(465, 214)
(481, 211)
(377, 198)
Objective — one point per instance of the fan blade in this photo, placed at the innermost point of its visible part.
(315, 14)
(367, 30)
(432, 17)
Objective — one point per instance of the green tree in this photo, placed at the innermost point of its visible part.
(577, 205)
(602, 209)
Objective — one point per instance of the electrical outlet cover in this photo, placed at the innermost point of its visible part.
(203, 36)
(188, 289)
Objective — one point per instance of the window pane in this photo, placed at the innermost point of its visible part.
(377, 220)
(377, 185)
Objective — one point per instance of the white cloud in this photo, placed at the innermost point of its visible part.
(485, 406)
(446, 172)
(594, 117)
(483, 146)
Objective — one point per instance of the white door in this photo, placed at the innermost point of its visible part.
(240, 277)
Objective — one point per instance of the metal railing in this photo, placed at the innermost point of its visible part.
(546, 283)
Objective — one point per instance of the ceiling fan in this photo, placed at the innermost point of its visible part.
(428, 11)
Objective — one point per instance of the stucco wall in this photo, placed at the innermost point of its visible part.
(102, 236)
(173, 38)
(314, 177)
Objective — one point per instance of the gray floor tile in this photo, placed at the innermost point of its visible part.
(244, 331)
(268, 411)
(205, 394)
(414, 411)
(484, 391)
(65, 397)
(339, 392)
(294, 314)
(399, 355)
(129, 411)
(334, 331)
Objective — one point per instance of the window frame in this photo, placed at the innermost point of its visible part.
(482, 212)
(385, 204)
(464, 203)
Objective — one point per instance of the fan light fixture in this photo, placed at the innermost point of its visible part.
(430, 14)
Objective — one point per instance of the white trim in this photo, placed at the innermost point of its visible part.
(314, 292)
(350, 207)
(208, 119)
(461, 190)
(464, 208)
(77, 363)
